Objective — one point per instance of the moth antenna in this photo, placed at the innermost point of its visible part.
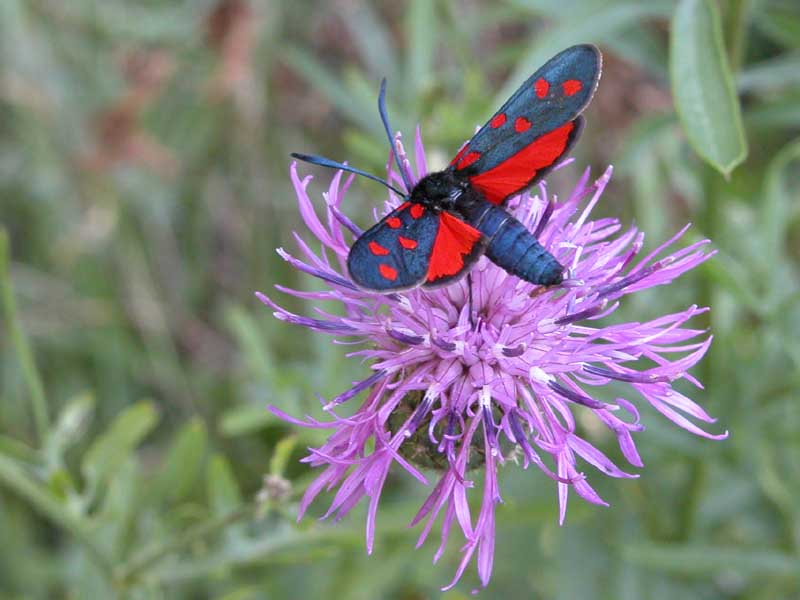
(332, 164)
(387, 127)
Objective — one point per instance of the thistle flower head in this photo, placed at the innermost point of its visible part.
(457, 386)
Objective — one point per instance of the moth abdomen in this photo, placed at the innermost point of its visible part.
(514, 248)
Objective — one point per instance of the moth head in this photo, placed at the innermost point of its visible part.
(438, 190)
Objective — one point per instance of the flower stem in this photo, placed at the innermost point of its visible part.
(698, 470)
(20, 343)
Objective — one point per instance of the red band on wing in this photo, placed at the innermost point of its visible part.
(454, 240)
(515, 172)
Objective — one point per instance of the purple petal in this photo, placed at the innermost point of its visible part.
(355, 390)
(595, 458)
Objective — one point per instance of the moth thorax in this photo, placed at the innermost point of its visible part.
(439, 191)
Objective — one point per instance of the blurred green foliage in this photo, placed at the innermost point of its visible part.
(143, 189)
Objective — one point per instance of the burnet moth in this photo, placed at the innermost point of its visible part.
(454, 216)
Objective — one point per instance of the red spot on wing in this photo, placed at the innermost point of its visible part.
(541, 87)
(454, 240)
(377, 249)
(394, 222)
(461, 153)
(468, 159)
(417, 210)
(572, 86)
(521, 124)
(515, 172)
(498, 120)
(407, 243)
(404, 206)
(387, 272)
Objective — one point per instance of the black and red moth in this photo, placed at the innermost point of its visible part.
(453, 216)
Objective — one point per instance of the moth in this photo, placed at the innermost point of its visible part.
(452, 217)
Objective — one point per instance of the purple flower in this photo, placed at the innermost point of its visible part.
(455, 397)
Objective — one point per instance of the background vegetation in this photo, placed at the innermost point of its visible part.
(144, 187)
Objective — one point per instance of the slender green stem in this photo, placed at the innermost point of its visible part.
(698, 470)
(20, 343)
(148, 557)
(15, 479)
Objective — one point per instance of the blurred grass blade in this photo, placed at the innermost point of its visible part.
(331, 86)
(245, 420)
(776, 73)
(19, 451)
(20, 344)
(777, 210)
(703, 87)
(422, 30)
(703, 560)
(779, 114)
(155, 555)
(639, 47)
(780, 22)
(15, 478)
(372, 38)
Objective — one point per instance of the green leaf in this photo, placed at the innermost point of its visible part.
(115, 444)
(124, 503)
(223, 491)
(782, 24)
(183, 462)
(703, 87)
